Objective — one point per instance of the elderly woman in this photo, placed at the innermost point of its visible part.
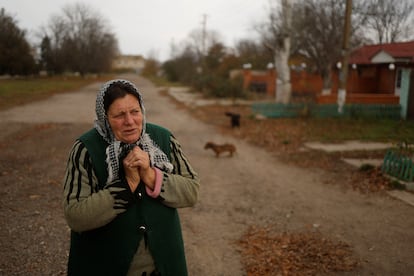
(124, 180)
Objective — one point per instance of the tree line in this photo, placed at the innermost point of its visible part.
(80, 40)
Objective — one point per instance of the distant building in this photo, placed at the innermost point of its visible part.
(128, 63)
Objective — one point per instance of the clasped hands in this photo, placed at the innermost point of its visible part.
(137, 167)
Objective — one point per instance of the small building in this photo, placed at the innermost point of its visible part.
(263, 82)
(379, 74)
(128, 63)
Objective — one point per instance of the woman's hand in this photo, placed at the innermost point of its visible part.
(137, 167)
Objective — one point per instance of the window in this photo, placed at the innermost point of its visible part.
(398, 78)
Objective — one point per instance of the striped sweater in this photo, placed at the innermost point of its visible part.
(88, 206)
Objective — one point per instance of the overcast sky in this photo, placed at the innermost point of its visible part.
(149, 27)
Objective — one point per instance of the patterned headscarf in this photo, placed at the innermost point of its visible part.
(117, 148)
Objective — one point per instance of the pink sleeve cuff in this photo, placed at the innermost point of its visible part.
(157, 185)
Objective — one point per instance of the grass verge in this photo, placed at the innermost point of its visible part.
(15, 92)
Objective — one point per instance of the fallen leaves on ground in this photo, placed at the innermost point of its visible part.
(265, 252)
(370, 181)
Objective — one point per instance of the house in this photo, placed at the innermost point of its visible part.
(379, 74)
(264, 81)
(259, 81)
(128, 62)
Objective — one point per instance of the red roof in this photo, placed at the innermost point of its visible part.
(397, 50)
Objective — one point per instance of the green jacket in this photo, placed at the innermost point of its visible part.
(109, 250)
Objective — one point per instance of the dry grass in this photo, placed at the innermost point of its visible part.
(18, 91)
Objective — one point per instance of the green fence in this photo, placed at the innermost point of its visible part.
(398, 165)
(278, 110)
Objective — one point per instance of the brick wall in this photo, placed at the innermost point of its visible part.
(302, 82)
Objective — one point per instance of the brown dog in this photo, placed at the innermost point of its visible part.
(218, 149)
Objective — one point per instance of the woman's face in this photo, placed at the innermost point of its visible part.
(125, 118)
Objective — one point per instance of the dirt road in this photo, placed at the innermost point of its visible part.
(252, 188)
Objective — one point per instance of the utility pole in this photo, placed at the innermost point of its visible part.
(202, 62)
(343, 75)
(204, 32)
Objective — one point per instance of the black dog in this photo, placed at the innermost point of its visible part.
(235, 119)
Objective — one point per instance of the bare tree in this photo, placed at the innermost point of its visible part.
(182, 67)
(318, 34)
(388, 20)
(254, 53)
(276, 35)
(200, 41)
(81, 40)
(284, 43)
(317, 30)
